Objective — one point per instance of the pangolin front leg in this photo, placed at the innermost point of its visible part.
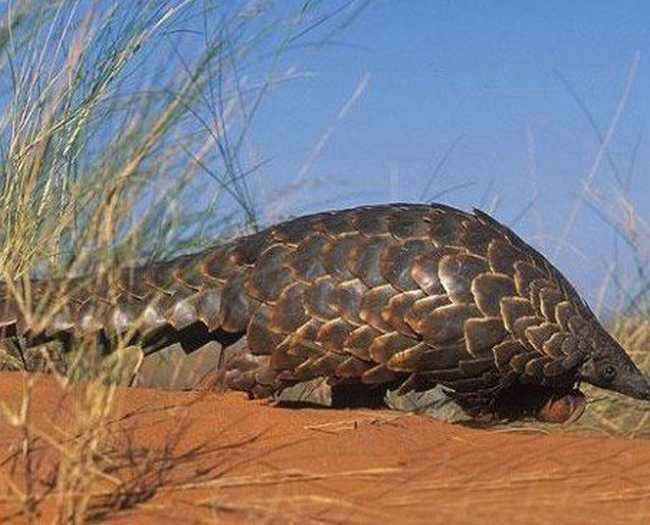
(566, 409)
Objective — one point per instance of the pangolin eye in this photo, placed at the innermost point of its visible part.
(608, 372)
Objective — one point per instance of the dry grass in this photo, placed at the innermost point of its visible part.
(617, 414)
(627, 284)
(123, 137)
(86, 464)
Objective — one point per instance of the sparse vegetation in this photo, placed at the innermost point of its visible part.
(615, 414)
(84, 463)
(113, 120)
(629, 319)
(114, 117)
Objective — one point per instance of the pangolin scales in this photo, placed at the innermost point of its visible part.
(404, 296)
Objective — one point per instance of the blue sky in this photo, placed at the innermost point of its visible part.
(490, 84)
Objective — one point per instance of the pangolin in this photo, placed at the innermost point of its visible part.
(395, 296)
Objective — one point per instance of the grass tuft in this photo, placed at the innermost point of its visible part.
(124, 137)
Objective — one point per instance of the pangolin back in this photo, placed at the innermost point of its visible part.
(399, 295)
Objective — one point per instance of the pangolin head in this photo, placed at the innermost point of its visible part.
(608, 366)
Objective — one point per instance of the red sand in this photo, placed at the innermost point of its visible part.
(311, 465)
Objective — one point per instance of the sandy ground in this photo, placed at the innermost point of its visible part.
(268, 464)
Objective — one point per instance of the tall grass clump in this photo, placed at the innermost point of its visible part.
(124, 137)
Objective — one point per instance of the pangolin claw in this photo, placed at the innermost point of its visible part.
(566, 409)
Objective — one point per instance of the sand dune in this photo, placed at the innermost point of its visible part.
(268, 464)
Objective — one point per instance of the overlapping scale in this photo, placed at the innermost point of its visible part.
(475, 367)
(526, 273)
(422, 308)
(539, 335)
(337, 255)
(336, 224)
(456, 273)
(236, 305)
(372, 220)
(409, 224)
(289, 311)
(306, 260)
(386, 345)
(549, 299)
(378, 374)
(523, 324)
(398, 307)
(365, 259)
(563, 312)
(319, 298)
(425, 271)
(315, 367)
(553, 345)
(270, 275)
(333, 334)
(481, 335)
(488, 289)
(261, 338)
(514, 308)
(445, 227)
(372, 305)
(476, 236)
(359, 341)
(352, 367)
(502, 256)
(396, 262)
(447, 323)
(504, 352)
(422, 357)
(347, 298)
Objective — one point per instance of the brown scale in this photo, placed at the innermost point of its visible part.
(372, 221)
(365, 259)
(488, 289)
(385, 346)
(372, 304)
(318, 298)
(262, 339)
(425, 271)
(394, 313)
(447, 323)
(422, 308)
(352, 367)
(289, 312)
(446, 226)
(337, 254)
(347, 298)
(306, 260)
(269, 276)
(360, 340)
(475, 237)
(396, 262)
(502, 256)
(379, 375)
(390, 296)
(424, 356)
(483, 334)
(335, 225)
(333, 334)
(457, 272)
(409, 224)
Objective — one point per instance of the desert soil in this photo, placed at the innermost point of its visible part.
(268, 464)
